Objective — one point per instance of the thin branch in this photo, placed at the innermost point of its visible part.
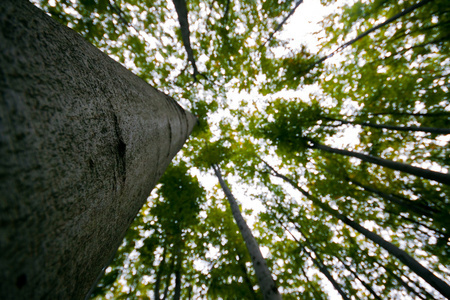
(282, 22)
(367, 32)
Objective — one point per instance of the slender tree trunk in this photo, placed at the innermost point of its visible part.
(444, 234)
(389, 271)
(169, 274)
(437, 283)
(406, 204)
(189, 292)
(363, 282)
(428, 174)
(225, 14)
(324, 270)
(403, 283)
(265, 280)
(395, 113)
(422, 291)
(177, 291)
(366, 285)
(392, 127)
(83, 141)
(315, 292)
(159, 273)
(401, 255)
(318, 262)
(247, 280)
(367, 32)
(182, 12)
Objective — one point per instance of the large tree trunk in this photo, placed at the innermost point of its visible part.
(83, 141)
(265, 280)
(424, 173)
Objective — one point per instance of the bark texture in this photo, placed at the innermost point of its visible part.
(83, 141)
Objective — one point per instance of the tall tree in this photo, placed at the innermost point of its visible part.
(391, 127)
(266, 283)
(182, 12)
(428, 174)
(287, 132)
(84, 141)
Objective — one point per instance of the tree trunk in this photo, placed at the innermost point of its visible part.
(159, 273)
(177, 290)
(396, 113)
(182, 13)
(314, 290)
(417, 223)
(392, 127)
(428, 174)
(403, 283)
(265, 280)
(317, 261)
(168, 278)
(437, 283)
(367, 32)
(247, 280)
(83, 141)
(324, 270)
(406, 204)
(401, 255)
(363, 282)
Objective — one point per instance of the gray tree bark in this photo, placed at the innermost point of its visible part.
(83, 141)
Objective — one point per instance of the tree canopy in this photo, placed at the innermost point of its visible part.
(346, 187)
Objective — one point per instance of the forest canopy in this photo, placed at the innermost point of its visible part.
(338, 153)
